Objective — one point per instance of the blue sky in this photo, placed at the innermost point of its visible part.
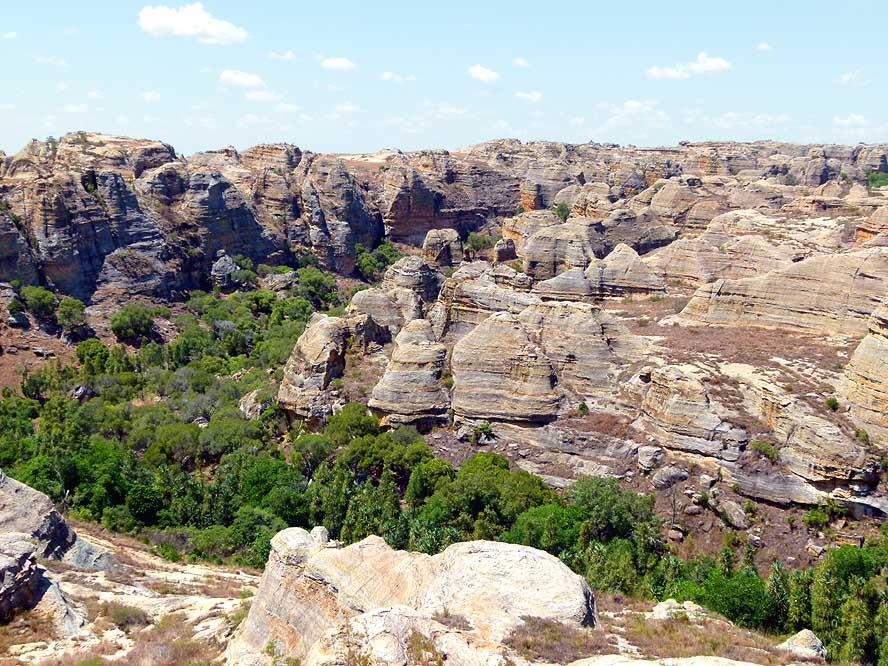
(361, 76)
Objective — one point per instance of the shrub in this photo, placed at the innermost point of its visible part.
(817, 517)
(40, 302)
(583, 409)
(552, 641)
(765, 449)
(477, 242)
(876, 179)
(132, 322)
(481, 431)
(316, 287)
(125, 617)
(15, 307)
(832, 403)
(862, 436)
(71, 313)
(562, 210)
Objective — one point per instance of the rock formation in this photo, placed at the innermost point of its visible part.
(410, 391)
(319, 602)
(442, 247)
(829, 294)
(865, 383)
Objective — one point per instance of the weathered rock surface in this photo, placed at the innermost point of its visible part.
(442, 247)
(21, 580)
(804, 644)
(319, 601)
(317, 359)
(829, 294)
(500, 373)
(865, 382)
(411, 391)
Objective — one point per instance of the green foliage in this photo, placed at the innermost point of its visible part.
(71, 313)
(876, 179)
(765, 449)
(370, 264)
(40, 302)
(477, 241)
(132, 322)
(562, 210)
(316, 287)
(832, 403)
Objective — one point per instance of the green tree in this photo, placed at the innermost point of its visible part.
(779, 591)
(40, 302)
(93, 356)
(71, 313)
(376, 509)
(133, 321)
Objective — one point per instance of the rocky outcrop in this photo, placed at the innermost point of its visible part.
(24, 510)
(318, 602)
(830, 294)
(442, 247)
(410, 391)
(474, 292)
(21, 579)
(317, 359)
(500, 373)
(864, 385)
(557, 248)
(408, 288)
(679, 412)
(805, 645)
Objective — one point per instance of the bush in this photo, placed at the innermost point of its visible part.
(317, 287)
(818, 517)
(370, 264)
(477, 242)
(40, 302)
(562, 210)
(132, 322)
(765, 449)
(876, 179)
(832, 403)
(125, 617)
(71, 313)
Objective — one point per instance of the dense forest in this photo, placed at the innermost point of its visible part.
(147, 438)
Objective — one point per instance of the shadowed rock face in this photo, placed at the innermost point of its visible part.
(69, 206)
(865, 382)
(318, 601)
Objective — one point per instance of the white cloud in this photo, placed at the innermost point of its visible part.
(74, 108)
(239, 79)
(854, 78)
(189, 21)
(283, 56)
(396, 78)
(520, 62)
(8, 35)
(483, 74)
(52, 61)
(703, 64)
(534, 96)
(62, 87)
(577, 121)
(95, 93)
(633, 113)
(851, 120)
(347, 107)
(151, 96)
(7, 107)
(252, 119)
(263, 96)
(338, 64)
(444, 111)
(763, 46)
(121, 119)
(287, 107)
(744, 120)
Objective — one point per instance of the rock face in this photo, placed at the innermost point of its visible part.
(410, 391)
(500, 372)
(848, 288)
(865, 382)
(24, 510)
(408, 288)
(442, 247)
(804, 644)
(21, 580)
(318, 601)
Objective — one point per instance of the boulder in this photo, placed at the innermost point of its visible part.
(410, 391)
(805, 645)
(666, 477)
(557, 248)
(442, 247)
(504, 250)
(650, 457)
(318, 601)
(734, 514)
(223, 269)
(21, 579)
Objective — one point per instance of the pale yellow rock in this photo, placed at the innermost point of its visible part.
(864, 385)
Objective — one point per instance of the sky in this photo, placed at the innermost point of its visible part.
(350, 76)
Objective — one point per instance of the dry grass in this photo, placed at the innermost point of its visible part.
(26, 627)
(170, 643)
(422, 652)
(679, 637)
(452, 620)
(553, 641)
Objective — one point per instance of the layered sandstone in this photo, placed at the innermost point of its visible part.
(865, 383)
